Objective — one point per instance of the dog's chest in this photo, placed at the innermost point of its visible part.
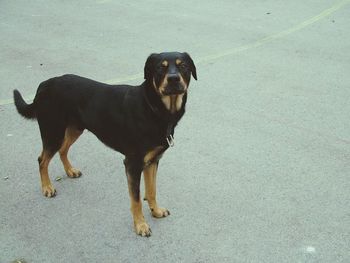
(153, 155)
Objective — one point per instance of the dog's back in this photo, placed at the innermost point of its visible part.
(71, 100)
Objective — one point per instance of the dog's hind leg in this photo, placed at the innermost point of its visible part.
(71, 135)
(44, 159)
(52, 133)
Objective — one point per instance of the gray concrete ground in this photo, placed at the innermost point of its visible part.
(260, 171)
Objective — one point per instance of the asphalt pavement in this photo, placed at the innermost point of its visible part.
(261, 163)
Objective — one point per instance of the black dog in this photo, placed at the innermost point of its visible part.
(137, 121)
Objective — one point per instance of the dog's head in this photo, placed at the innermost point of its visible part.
(169, 74)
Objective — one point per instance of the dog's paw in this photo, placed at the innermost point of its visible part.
(73, 172)
(159, 212)
(143, 229)
(48, 191)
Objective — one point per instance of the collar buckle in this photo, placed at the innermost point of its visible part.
(170, 140)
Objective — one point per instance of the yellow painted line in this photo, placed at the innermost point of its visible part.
(229, 52)
(125, 79)
(10, 101)
(103, 1)
(268, 39)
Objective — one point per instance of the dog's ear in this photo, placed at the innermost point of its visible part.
(192, 66)
(149, 66)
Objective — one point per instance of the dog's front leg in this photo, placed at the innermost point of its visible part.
(133, 168)
(150, 176)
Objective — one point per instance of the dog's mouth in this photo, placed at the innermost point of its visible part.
(173, 90)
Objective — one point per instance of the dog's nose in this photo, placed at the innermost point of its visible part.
(173, 77)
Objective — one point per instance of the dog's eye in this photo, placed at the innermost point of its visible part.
(183, 65)
(162, 67)
(164, 64)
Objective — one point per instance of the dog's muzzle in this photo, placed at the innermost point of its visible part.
(174, 87)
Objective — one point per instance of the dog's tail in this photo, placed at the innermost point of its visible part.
(26, 110)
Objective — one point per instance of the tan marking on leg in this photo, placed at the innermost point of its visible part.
(152, 155)
(150, 176)
(140, 224)
(47, 189)
(71, 135)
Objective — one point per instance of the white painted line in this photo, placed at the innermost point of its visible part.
(229, 52)
(310, 249)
